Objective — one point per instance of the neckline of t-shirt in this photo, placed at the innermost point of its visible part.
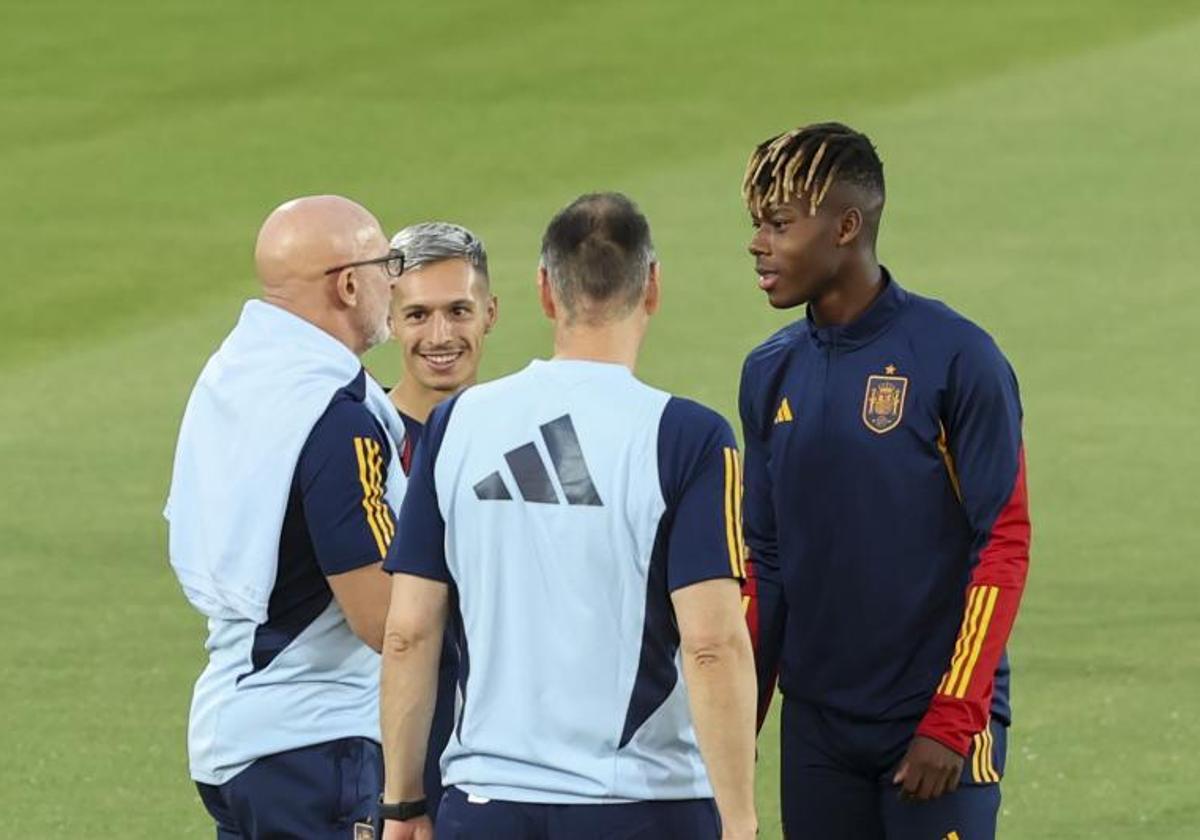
(615, 368)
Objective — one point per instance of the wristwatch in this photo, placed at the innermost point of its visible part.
(402, 810)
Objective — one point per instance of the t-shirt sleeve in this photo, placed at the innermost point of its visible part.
(701, 482)
(342, 474)
(421, 548)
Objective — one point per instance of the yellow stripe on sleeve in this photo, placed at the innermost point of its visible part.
(375, 480)
(360, 451)
(960, 646)
(737, 515)
(388, 518)
(991, 593)
(385, 517)
(730, 527)
(967, 639)
(943, 445)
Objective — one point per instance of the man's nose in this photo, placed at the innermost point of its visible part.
(758, 246)
(441, 328)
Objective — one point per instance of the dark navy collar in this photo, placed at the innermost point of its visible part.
(866, 327)
(412, 426)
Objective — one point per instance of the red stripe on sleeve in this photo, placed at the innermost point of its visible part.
(962, 704)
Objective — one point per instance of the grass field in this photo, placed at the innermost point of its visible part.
(1042, 179)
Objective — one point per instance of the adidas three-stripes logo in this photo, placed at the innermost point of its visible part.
(533, 479)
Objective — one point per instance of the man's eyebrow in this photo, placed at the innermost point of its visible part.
(413, 307)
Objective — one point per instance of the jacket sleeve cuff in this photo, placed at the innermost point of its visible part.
(952, 723)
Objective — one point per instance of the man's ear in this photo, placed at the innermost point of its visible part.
(653, 289)
(491, 314)
(347, 287)
(546, 293)
(850, 226)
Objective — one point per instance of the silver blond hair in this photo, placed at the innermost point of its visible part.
(432, 242)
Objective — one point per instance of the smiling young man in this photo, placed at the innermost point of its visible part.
(885, 513)
(442, 308)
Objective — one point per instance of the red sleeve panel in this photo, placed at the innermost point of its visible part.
(982, 445)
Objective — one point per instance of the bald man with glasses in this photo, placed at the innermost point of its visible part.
(282, 508)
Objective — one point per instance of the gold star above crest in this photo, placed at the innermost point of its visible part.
(889, 370)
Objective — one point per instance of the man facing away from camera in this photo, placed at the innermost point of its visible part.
(582, 532)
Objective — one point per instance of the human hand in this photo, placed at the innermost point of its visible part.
(419, 828)
(928, 770)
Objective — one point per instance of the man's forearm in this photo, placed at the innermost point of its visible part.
(721, 691)
(407, 696)
(408, 685)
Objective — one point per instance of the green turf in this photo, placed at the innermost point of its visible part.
(1041, 179)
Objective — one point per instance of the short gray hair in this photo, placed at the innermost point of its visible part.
(432, 242)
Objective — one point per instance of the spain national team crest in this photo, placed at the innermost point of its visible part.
(883, 405)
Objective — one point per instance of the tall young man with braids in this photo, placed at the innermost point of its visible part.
(885, 513)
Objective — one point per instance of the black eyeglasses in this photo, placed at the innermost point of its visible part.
(392, 262)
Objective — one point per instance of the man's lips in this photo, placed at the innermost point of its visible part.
(442, 360)
(767, 278)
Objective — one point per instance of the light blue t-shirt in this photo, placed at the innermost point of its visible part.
(302, 677)
(565, 503)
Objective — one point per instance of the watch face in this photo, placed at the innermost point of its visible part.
(364, 831)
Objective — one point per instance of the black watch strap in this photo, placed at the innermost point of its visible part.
(402, 810)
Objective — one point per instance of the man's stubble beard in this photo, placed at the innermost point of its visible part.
(381, 333)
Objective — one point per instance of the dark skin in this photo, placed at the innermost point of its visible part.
(928, 770)
(828, 262)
